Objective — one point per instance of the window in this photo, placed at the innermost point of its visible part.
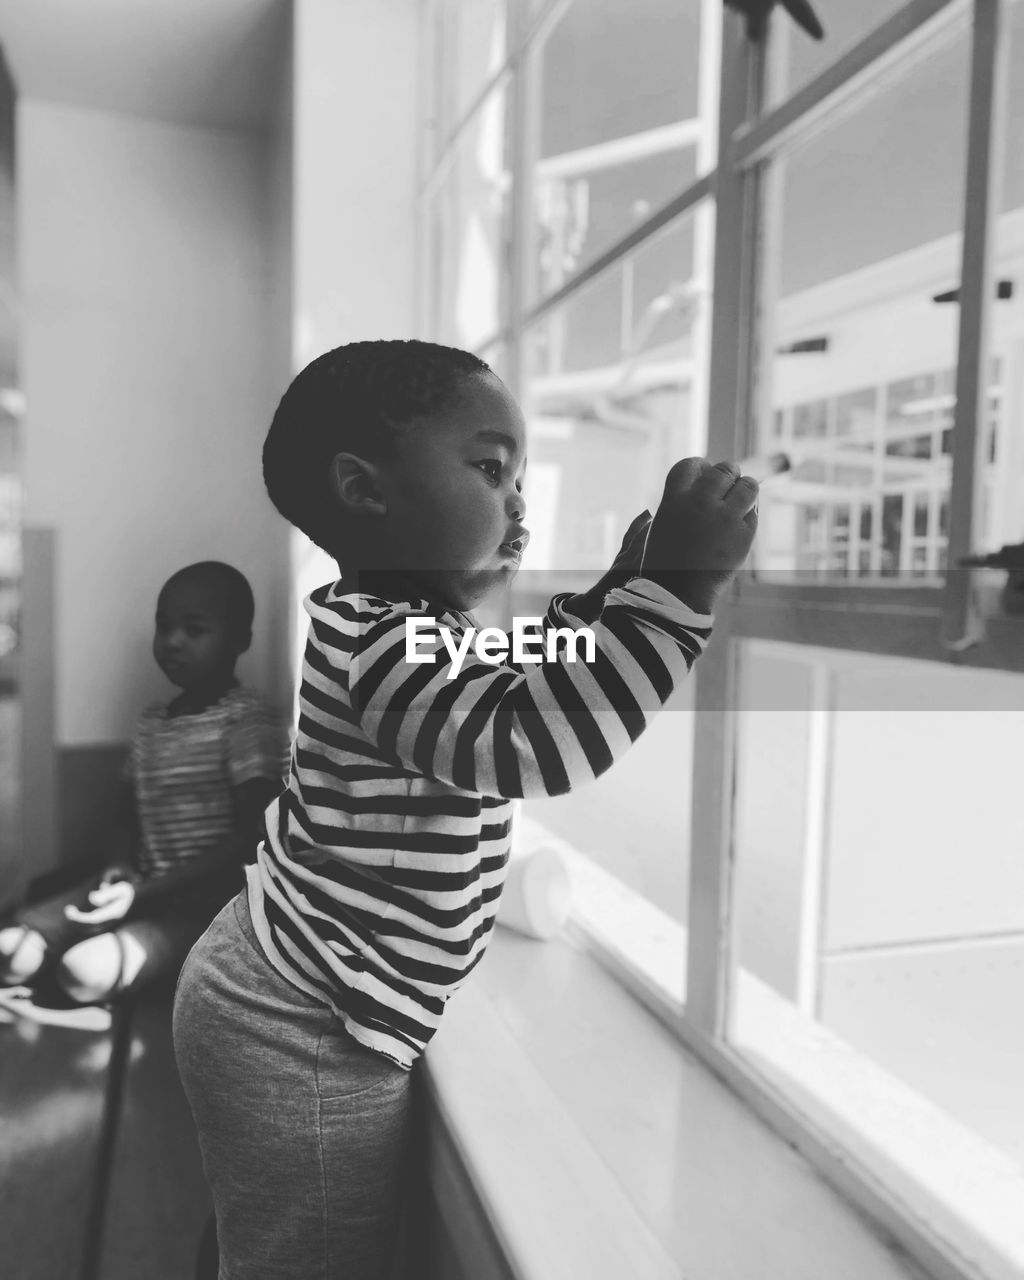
(876, 461)
(471, 47)
(466, 228)
(875, 929)
(811, 858)
(565, 226)
(613, 127)
(878, 922)
(608, 386)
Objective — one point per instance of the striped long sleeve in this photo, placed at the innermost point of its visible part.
(501, 733)
(376, 887)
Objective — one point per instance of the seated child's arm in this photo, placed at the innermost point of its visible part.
(123, 832)
(219, 866)
(254, 750)
(123, 836)
(122, 894)
(99, 902)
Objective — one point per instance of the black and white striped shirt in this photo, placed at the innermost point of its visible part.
(376, 887)
(184, 769)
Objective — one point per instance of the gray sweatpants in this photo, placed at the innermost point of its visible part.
(304, 1132)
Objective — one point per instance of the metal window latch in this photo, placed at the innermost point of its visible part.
(757, 11)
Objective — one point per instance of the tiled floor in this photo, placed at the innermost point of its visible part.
(51, 1097)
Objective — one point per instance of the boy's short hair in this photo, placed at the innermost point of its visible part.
(229, 585)
(352, 399)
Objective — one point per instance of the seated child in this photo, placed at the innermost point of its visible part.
(201, 771)
(302, 1009)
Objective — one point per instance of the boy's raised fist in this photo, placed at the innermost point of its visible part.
(702, 530)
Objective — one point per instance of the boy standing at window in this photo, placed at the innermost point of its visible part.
(303, 1008)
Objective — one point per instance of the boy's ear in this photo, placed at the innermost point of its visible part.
(242, 642)
(354, 484)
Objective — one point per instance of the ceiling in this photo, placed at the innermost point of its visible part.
(208, 63)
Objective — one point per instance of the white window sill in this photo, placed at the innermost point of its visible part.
(599, 1147)
(963, 1193)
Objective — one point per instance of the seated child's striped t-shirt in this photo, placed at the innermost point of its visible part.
(377, 884)
(184, 767)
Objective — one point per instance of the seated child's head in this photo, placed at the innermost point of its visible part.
(408, 456)
(204, 619)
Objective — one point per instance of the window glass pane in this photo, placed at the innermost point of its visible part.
(797, 58)
(879, 909)
(472, 50)
(579, 215)
(607, 71)
(468, 227)
(615, 377)
(622, 326)
(610, 404)
(863, 224)
(614, 128)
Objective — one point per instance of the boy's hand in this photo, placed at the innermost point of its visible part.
(111, 900)
(702, 530)
(588, 604)
(631, 553)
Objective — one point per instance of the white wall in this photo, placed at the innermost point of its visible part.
(282, 366)
(356, 86)
(144, 283)
(356, 82)
(281, 180)
(173, 279)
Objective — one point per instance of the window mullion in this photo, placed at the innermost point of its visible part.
(517, 245)
(742, 67)
(708, 89)
(961, 624)
(427, 91)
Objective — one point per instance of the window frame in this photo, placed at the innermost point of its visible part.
(940, 624)
(935, 623)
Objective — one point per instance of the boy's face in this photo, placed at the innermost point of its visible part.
(194, 643)
(454, 494)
